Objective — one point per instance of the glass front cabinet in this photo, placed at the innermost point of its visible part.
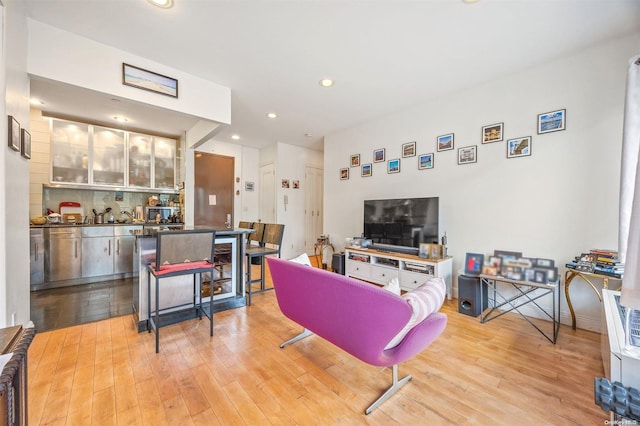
(95, 155)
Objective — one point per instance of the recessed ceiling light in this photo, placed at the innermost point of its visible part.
(308, 135)
(235, 137)
(165, 4)
(120, 119)
(272, 115)
(469, 1)
(326, 82)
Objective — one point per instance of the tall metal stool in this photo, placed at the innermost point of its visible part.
(188, 252)
(270, 244)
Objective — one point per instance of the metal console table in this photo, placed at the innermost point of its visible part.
(500, 304)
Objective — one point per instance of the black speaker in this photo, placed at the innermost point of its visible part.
(469, 296)
(337, 263)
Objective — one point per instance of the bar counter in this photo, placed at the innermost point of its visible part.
(178, 291)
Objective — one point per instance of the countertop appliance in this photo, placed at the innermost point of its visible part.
(161, 214)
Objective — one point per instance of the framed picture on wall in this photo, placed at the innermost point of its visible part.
(467, 154)
(148, 80)
(445, 142)
(519, 147)
(344, 173)
(409, 149)
(355, 160)
(14, 134)
(366, 170)
(492, 133)
(393, 166)
(425, 161)
(378, 155)
(25, 144)
(552, 121)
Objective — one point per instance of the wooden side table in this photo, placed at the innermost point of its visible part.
(586, 276)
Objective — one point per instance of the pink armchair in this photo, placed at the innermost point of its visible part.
(357, 317)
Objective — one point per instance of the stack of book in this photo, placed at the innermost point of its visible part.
(608, 263)
(599, 261)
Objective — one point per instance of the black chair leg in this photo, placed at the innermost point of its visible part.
(157, 327)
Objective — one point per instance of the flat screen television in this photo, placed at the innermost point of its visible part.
(401, 223)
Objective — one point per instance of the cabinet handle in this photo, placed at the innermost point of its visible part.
(36, 248)
(75, 248)
(109, 252)
(118, 247)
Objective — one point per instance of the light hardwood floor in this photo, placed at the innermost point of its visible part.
(501, 372)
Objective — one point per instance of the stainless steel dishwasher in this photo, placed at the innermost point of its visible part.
(64, 249)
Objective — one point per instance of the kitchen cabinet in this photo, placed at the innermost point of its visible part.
(36, 255)
(124, 249)
(69, 152)
(97, 251)
(100, 156)
(108, 156)
(63, 260)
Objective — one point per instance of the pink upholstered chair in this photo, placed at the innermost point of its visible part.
(358, 317)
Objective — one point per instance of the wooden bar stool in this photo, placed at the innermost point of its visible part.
(270, 244)
(188, 252)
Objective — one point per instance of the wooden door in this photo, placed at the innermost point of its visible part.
(213, 191)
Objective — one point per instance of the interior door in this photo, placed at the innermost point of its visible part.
(267, 194)
(213, 192)
(313, 207)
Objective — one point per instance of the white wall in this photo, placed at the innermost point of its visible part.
(14, 210)
(66, 57)
(290, 164)
(557, 203)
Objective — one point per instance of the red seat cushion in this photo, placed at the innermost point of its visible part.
(179, 267)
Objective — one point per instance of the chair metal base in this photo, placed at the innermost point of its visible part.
(297, 337)
(395, 386)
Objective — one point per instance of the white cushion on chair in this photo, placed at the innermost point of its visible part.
(424, 300)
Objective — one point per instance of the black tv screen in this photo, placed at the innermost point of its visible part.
(404, 222)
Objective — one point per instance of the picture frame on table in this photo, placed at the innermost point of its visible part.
(552, 121)
(493, 133)
(141, 78)
(468, 154)
(409, 149)
(25, 144)
(344, 173)
(378, 155)
(519, 147)
(393, 166)
(473, 264)
(445, 142)
(366, 170)
(545, 263)
(14, 134)
(354, 160)
(503, 254)
(425, 161)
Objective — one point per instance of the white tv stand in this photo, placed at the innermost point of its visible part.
(380, 267)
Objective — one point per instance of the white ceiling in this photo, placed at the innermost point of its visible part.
(385, 55)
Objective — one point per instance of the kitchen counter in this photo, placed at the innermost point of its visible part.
(151, 231)
(76, 225)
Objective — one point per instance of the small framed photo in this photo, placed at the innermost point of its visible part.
(147, 80)
(467, 154)
(393, 166)
(544, 263)
(355, 160)
(519, 147)
(507, 254)
(296, 184)
(14, 134)
(409, 149)
(473, 264)
(366, 170)
(445, 142)
(344, 173)
(495, 262)
(248, 186)
(285, 183)
(425, 161)
(25, 144)
(492, 133)
(378, 155)
(552, 121)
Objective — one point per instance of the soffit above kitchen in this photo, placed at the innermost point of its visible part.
(384, 56)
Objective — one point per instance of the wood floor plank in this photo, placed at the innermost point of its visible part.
(500, 372)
